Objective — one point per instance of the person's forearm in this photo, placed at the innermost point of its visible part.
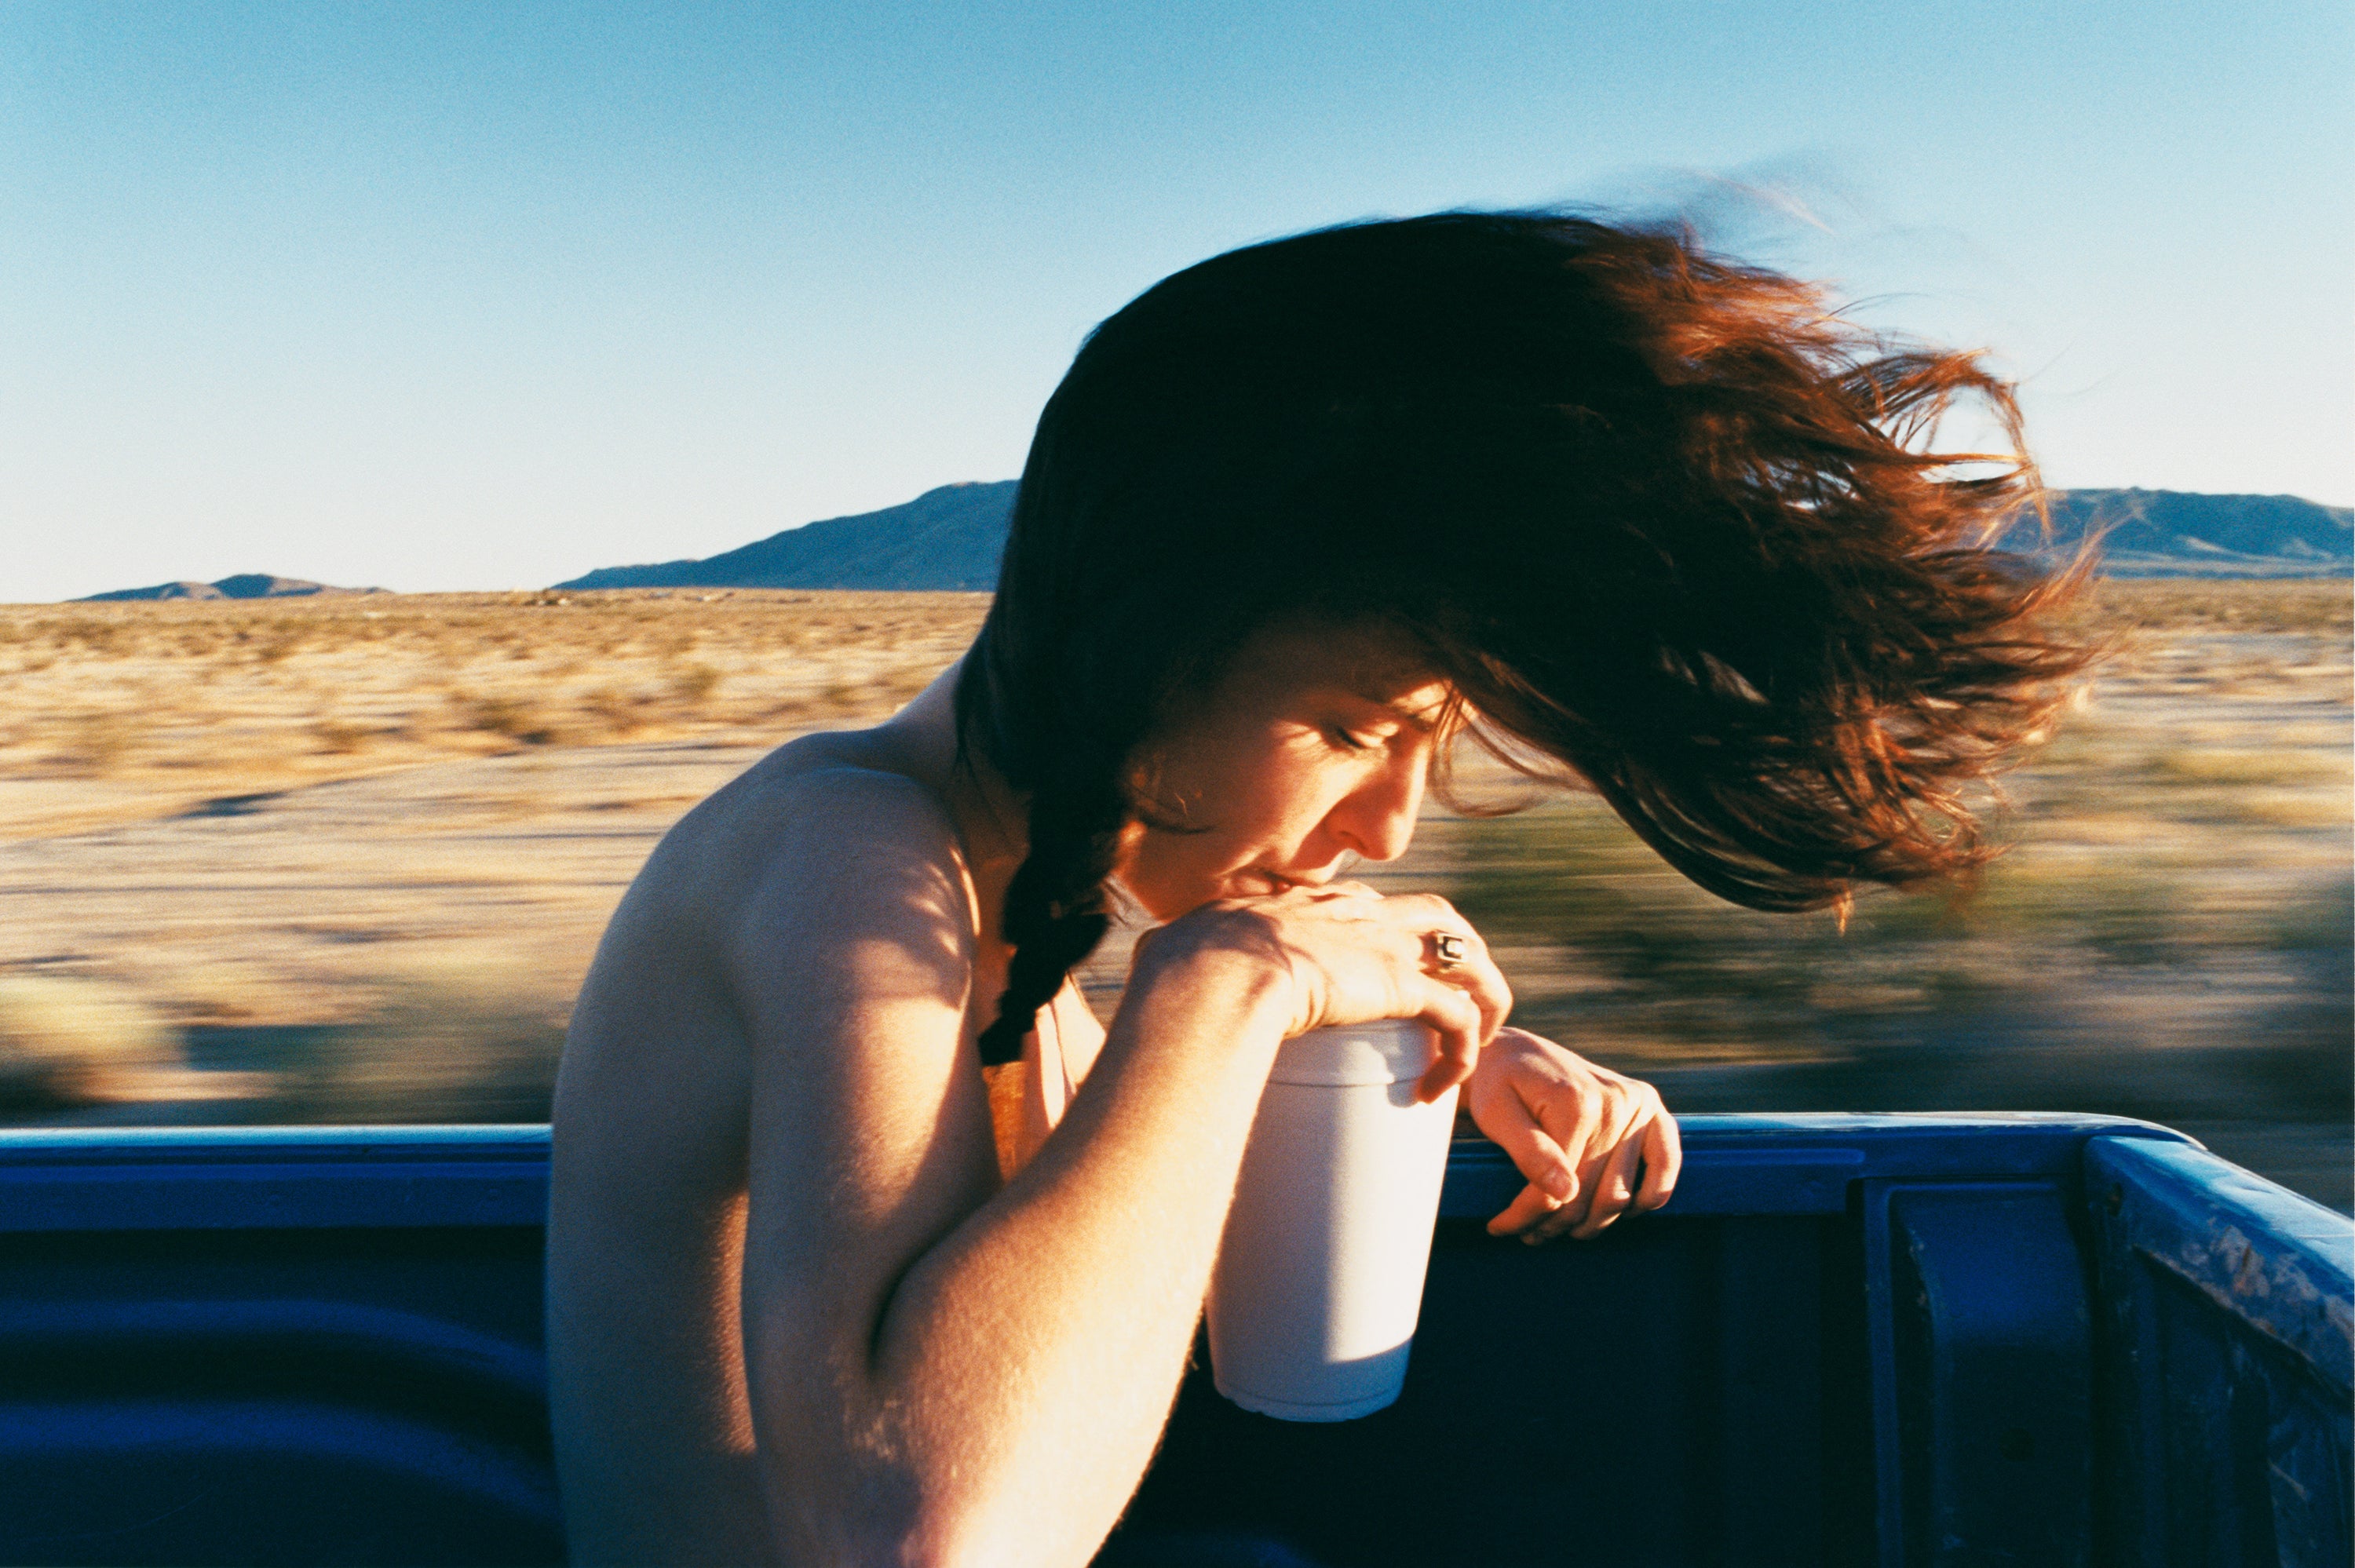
(1033, 1352)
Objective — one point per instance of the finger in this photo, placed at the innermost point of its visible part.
(1664, 1160)
(1477, 977)
(1595, 1124)
(1574, 1121)
(1526, 1209)
(1475, 971)
(1614, 1193)
(1533, 1149)
(1486, 985)
(1425, 912)
(1456, 1020)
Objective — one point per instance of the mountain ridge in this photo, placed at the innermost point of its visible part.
(948, 537)
(951, 537)
(2180, 532)
(238, 585)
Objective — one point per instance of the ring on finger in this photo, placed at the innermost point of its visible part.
(1448, 951)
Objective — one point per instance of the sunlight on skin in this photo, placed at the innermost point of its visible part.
(1314, 752)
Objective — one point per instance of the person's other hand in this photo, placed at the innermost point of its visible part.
(1579, 1132)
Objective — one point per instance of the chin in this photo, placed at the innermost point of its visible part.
(1158, 905)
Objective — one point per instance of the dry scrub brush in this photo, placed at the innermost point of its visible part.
(67, 1043)
(181, 693)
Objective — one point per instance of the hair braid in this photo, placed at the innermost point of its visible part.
(1055, 913)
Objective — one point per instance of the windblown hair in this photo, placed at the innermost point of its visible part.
(1662, 517)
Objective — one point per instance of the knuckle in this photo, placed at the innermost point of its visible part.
(1427, 907)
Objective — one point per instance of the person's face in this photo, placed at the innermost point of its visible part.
(1313, 749)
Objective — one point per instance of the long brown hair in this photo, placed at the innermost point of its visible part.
(1666, 518)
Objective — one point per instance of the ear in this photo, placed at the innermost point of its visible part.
(1151, 803)
(1141, 775)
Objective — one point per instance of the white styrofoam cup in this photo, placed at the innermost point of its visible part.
(1319, 1277)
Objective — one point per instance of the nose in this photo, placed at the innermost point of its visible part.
(1376, 818)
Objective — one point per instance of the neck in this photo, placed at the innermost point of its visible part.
(991, 819)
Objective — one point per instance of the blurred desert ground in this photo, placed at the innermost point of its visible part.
(346, 858)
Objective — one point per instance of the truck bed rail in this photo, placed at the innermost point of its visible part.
(1887, 1340)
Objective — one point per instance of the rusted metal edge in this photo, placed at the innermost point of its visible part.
(2281, 1263)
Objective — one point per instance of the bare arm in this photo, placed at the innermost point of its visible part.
(927, 1352)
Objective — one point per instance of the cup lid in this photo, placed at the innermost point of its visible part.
(1390, 1051)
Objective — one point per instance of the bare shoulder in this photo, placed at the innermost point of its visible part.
(811, 827)
(814, 879)
(769, 1053)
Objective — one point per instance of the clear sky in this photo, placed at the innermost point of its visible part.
(487, 295)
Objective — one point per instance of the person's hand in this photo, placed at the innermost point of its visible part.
(1352, 956)
(1579, 1132)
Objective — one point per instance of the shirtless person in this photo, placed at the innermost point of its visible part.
(842, 1270)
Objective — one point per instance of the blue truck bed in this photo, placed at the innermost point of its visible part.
(1849, 1340)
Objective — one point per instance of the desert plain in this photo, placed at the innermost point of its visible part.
(346, 858)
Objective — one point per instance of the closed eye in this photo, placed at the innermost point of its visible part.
(1344, 740)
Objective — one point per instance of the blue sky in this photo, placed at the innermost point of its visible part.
(487, 295)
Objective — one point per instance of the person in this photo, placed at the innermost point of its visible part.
(865, 1233)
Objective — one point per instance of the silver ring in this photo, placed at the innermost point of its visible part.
(1446, 950)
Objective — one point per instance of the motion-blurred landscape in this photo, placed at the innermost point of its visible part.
(344, 858)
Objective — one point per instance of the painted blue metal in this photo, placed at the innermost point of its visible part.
(1849, 1340)
(1809, 1164)
(1981, 1336)
(133, 1179)
(195, 1480)
(2226, 1360)
(424, 1344)
(285, 1345)
(108, 1179)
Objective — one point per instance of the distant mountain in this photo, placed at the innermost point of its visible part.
(244, 585)
(952, 537)
(2174, 533)
(946, 538)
